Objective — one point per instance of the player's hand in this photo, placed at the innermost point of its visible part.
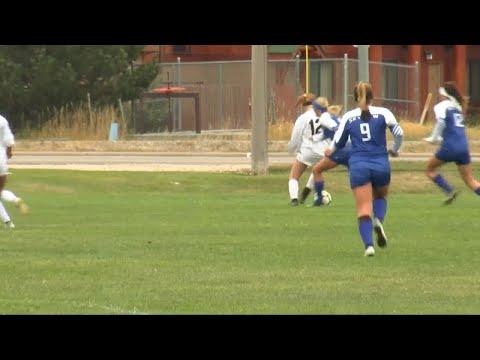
(428, 140)
(9, 152)
(393, 153)
(328, 152)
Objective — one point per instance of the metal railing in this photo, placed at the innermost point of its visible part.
(224, 89)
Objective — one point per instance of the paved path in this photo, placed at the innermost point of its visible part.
(151, 161)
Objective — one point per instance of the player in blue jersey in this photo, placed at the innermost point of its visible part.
(454, 146)
(340, 157)
(369, 167)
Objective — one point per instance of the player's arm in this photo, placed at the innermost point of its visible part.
(396, 131)
(440, 114)
(327, 122)
(296, 137)
(340, 138)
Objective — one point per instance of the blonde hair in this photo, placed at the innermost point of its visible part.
(322, 101)
(335, 109)
(363, 94)
(305, 99)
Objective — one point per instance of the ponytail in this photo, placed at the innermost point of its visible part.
(363, 95)
(305, 99)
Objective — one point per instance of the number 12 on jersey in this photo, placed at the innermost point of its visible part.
(365, 130)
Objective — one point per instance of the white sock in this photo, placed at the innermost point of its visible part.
(293, 188)
(8, 196)
(3, 213)
(310, 182)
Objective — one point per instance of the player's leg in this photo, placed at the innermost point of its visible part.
(4, 217)
(363, 201)
(379, 212)
(432, 165)
(8, 196)
(380, 183)
(309, 158)
(323, 165)
(467, 177)
(360, 183)
(307, 189)
(297, 170)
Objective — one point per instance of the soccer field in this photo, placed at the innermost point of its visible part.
(180, 243)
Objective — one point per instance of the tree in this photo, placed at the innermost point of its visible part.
(34, 79)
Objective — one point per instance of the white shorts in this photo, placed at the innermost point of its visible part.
(309, 157)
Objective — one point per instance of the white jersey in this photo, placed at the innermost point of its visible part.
(6, 136)
(6, 140)
(308, 134)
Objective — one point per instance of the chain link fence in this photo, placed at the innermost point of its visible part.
(224, 89)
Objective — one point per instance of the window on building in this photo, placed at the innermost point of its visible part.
(474, 82)
(390, 81)
(181, 49)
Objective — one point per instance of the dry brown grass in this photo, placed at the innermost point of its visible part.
(76, 124)
(282, 130)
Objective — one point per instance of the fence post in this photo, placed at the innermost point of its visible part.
(220, 95)
(345, 82)
(297, 78)
(122, 113)
(178, 124)
(417, 89)
(89, 102)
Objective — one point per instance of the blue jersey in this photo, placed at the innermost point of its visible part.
(450, 126)
(368, 136)
(450, 117)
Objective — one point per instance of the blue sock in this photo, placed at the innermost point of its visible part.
(319, 187)
(442, 183)
(365, 228)
(477, 191)
(380, 208)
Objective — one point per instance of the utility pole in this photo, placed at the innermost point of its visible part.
(259, 110)
(363, 74)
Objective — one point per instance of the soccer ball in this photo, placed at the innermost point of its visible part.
(326, 198)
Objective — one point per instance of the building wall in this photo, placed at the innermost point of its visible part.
(442, 67)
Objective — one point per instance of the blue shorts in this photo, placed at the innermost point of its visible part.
(341, 156)
(460, 157)
(375, 172)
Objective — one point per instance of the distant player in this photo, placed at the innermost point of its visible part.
(369, 167)
(308, 142)
(454, 147)
(340, 157)
(6, 143)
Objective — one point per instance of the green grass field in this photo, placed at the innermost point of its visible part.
(179, 243)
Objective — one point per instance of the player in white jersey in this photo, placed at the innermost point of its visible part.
(6, 143)
(308, 141)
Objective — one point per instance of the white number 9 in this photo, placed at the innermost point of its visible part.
(365, 130)
(458, 120)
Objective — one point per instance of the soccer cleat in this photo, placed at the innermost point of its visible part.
(294, 202)
(370, 251)
(10, 225)
(452, 196)
(305, 193)
(22, 206)
(381, 237)
(318, 202)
